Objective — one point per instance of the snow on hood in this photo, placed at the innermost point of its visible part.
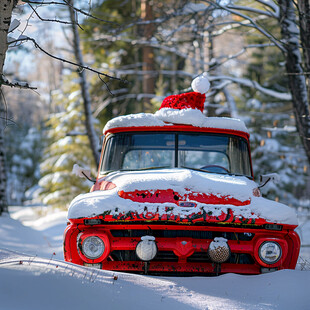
(180, 180)
(183, 182)
(172, 116)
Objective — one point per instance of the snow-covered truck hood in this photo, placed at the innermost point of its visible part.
(179, 195)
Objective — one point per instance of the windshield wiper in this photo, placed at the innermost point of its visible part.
(241, 175)
(231, 174)
(165, 167)
(137, 169)
(203, 170)
(145, 168)
(196, 169)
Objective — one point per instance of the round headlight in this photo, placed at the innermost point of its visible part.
(270, 252)
(93, 247)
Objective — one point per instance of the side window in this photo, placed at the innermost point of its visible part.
(105, 157)
(114, 149)
(239, 153)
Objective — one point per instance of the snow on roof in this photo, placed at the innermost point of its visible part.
(167, 117)
(133, 120)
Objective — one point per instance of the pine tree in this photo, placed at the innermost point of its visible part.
(275, 143)
(24, 149)
(67, 144)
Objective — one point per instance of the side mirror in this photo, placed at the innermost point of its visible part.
(82, 173)
(264, 179)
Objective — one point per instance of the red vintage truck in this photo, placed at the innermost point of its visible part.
(175, 195)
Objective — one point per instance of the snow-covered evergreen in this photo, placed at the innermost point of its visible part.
(67, 144)
(23, 157)
(276, 147)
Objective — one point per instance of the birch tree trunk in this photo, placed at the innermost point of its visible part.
(91, 133)
(6, 8)
(3, 198)
(296, 73)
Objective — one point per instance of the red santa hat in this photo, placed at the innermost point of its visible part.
(192, 100)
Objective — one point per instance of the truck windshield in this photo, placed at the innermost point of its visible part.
(217, 153)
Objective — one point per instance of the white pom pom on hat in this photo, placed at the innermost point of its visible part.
(201, 83)
(192, 100)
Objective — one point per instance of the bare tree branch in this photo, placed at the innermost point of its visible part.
(65, 3)
(21, 85)
(296, 73)
(251, 20)
(151, 43)
(138, 97)
(178, 12)
(226, 80)
(4, 110)
(230, 25)
(251, 84)
(52, 20)
(223, 59)
(101, 74)
(27, 22)
(271, 4)
(254, 10)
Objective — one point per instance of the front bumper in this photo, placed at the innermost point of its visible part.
(181, 249)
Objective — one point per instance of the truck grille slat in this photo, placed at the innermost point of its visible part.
(202, 257)
(127, 255)
(137, 233)
(169, 256)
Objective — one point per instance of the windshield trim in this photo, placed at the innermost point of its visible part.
(178, 128)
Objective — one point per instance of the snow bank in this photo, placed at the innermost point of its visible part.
(30, 282)
(36, 284)
(17, 237)
(41, 233)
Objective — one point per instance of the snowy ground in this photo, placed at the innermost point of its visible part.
(34, 276)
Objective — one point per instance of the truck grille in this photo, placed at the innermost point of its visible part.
(137, 233)
(123, 255)
(169, 256)
(202, 257)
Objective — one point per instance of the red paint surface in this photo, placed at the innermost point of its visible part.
(168, 195)
(179, 128)
(103, 185)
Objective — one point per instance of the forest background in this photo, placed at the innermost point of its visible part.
(130, 54)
